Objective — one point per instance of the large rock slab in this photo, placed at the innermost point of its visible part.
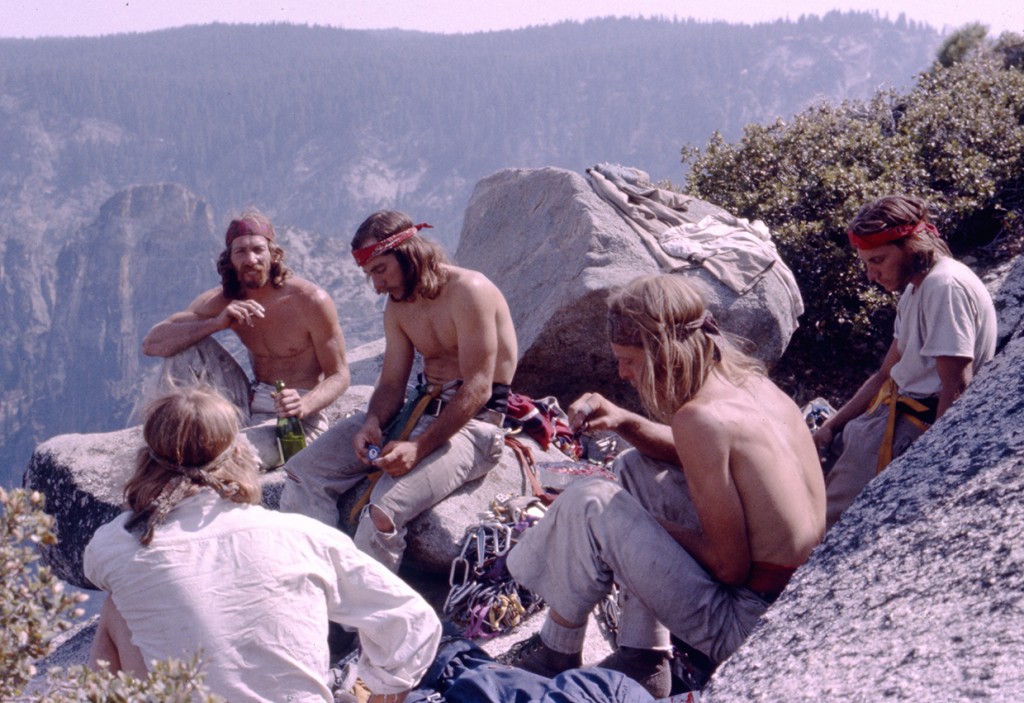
(555, 249)
(917, 593)
(1006, 285)
(82, 477)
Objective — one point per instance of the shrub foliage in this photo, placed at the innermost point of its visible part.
(34, 607)
(955, 139)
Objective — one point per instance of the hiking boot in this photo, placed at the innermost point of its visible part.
(648, 667)
(536, 657)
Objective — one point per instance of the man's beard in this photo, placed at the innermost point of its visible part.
(398, 294)
(253, 278)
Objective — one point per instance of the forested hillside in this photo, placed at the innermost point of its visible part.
(303, 117)
(319, 127)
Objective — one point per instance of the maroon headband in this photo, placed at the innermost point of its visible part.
(244, 228)
(387, 244)
(887, 236)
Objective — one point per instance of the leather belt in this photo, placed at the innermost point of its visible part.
(493, 417)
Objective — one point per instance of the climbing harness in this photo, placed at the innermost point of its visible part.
(920, 412)
(484, 600)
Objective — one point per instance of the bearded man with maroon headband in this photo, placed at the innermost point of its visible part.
(416, 447)
(945, 331)
(288, 325)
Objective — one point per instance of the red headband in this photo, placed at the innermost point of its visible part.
(387, 244)
(887, 236)
(244, 228)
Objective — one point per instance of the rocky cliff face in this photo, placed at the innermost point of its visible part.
(26, 283)
(81, 310)
(149, 244)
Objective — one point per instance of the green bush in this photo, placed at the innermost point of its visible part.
(956, 139)
(34, 607)
(960, 44)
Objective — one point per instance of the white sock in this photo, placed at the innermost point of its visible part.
(567, 640)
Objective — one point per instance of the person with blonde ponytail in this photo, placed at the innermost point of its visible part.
(197, 567)
(718, 502)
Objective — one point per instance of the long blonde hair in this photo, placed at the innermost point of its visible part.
(191, 440)
(666, 316)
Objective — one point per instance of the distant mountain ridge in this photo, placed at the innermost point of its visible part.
(318, 127)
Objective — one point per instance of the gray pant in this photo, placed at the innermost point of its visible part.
(598, 532)
(327, 469)
(208, 362)
(858, 447)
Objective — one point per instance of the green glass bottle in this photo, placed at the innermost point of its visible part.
(290, 437)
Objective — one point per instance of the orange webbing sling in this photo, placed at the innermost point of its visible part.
(921, 413)
(428, 393)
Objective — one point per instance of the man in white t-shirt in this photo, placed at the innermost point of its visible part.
(945, 331)
(196, 567)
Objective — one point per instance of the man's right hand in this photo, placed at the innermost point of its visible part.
(242, 312)
(823, 437)
(592, 411)
(369, 435)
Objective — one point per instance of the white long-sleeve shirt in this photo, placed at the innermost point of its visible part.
(252, 591)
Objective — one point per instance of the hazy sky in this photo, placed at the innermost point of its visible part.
(33, 18)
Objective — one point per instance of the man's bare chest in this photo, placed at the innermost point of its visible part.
(280, 335)
(431, 330)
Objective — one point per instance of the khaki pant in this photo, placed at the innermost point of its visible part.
(858, 446)
(599, 532)
(324, 471)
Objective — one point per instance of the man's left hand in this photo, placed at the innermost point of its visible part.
(398, 458)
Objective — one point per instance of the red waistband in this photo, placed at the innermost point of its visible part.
(767, 579)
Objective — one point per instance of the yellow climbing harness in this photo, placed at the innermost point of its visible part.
(919, 412)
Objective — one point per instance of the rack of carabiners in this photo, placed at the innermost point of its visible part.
(483, 599)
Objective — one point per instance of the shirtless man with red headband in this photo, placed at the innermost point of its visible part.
(288, 325)
(417, 447)
(945, 330)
